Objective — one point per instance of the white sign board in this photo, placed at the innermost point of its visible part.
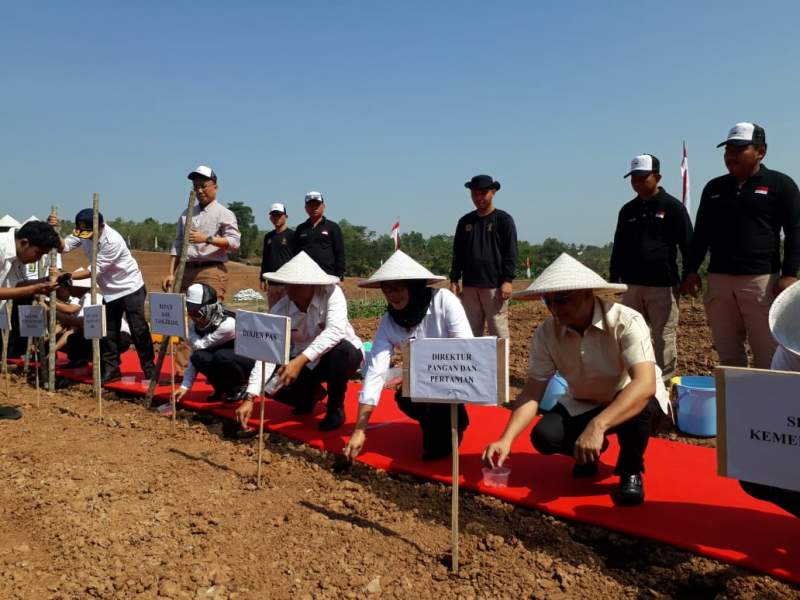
(5, 318)
(451, 370)
(168, 315)
(263, 337)
(31, 321)
(94, 321)
(758, 426)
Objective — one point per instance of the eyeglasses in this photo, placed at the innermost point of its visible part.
(559, 299)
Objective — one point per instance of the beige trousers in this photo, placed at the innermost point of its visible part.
(214, 275)
(485, 306)
(659, 307)
(737, 308)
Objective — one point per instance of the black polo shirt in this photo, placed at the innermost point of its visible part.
(741, 225)
(485, 249)
(647, 239)
(323, 243)
(277, 250)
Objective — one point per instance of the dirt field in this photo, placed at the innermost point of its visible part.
(124, 509)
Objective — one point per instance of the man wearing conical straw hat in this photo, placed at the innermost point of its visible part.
(604, 352)
(784, 323)
(414, 311)
(324, 347)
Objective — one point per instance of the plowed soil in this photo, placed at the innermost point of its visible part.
(124, 508)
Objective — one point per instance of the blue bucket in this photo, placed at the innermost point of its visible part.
(697, 405)
(556, 388)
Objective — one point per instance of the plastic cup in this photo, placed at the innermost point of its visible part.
(496, 477)
(145, 383)
(393, 377)
(273, 386)
(129, 379)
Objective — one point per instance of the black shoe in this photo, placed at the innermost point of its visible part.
(631, 490)
(110, 377)
(9, 412)
(334, 419)
(585, 470)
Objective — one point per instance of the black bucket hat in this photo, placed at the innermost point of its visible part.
(482, 182)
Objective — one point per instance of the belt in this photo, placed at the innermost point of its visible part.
(199, 264)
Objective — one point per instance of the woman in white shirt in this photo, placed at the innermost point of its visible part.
(212, 335)
(414, 311)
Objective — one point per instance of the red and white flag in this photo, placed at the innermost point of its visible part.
(686, 196)
(396, 235)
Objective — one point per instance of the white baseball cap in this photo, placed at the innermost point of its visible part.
(277, 207)
(744, 134)
(203, 171)
(644, 164)
(314, 197)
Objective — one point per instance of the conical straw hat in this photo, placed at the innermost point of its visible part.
(9, 221)
(784, 318)
(399, 267)
(301, 270)
(564, 275)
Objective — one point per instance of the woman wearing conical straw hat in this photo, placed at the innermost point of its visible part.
(603, 350)
(324, 347)
(414, 310)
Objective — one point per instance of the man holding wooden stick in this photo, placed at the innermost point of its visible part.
(19, 247)
(212, 232)
(122, 287)
(603, 350)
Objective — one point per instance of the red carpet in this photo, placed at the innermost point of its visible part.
(687, 504)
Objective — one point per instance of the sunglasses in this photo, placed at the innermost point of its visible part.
(559, 299)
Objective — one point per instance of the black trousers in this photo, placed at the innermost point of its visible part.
(433, 419)
(132, 306)
(335, 368)
(79, 348)
(557, 432)
(788, 500)
(225, 370)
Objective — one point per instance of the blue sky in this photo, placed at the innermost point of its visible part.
(387, 108)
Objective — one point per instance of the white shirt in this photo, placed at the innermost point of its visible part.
(32, 269)
(118, 272)
(445, 319)
(785, 360)
(321, 327)
(11, 270)
(221, 335)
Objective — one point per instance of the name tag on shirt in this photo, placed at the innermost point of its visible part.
(323, 232)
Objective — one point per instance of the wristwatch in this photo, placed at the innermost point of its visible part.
(209, 239)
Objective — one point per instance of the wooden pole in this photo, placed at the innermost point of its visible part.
(38, 359)
(39, 342)
(96, 377)
(172, 380)
(51, 354)
(261, 425)
(454, 508)
(176, 287)
(6, 307)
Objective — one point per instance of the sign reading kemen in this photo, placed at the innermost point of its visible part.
(456, 370)
(758, 426)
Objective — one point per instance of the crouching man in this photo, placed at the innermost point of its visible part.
(324, 346)
(604, 352)
(212, 336)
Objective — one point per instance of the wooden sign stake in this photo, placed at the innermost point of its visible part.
(36, 368)
(176, 287)
(172, 380)
(261, 425)
(51, 355)
(454, 508)
(96, 377)
(7, 307)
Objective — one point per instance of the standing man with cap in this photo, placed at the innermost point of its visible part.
(485, 258)
(651, 229)
(122, 286)
(604, 352)
(277, 251)
(739, 221)
(213, 233)
(320, 238)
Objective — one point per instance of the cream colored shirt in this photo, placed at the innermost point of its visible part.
(212, 219)
(595, 364)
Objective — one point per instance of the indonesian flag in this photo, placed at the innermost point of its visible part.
(686, 196)
(396, 235)
(528, 266)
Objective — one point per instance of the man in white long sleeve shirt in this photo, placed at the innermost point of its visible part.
(121, 284)
(212, 336)
(324, 346)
